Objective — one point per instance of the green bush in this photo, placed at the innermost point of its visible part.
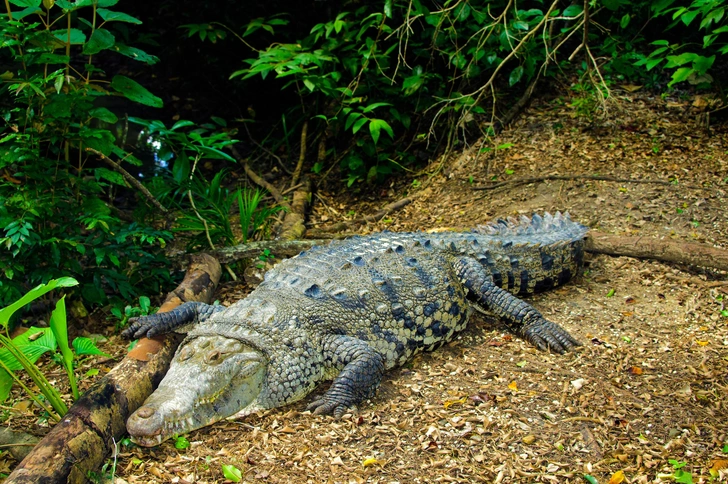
(367, 74)
(690, 60)
(56, 212)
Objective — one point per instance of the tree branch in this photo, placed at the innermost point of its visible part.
(129, 178)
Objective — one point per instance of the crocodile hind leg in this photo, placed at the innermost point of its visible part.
(359, 379)
(526, 320)
(160, 323)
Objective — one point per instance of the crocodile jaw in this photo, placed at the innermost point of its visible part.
(210, 378)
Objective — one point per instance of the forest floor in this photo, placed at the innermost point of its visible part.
(646, 394)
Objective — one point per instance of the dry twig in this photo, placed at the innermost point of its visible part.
(302, 155)
(536, 179)
(129, 178)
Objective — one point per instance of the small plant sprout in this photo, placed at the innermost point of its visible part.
(181, 442)
(679, 475)
(232, 473)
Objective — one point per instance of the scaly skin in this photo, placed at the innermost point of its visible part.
(349, 312)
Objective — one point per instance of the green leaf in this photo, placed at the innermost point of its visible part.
(680, 75)
(374, 130)
(25, 3)
(49, 58)
(136, 54)
(59, 326)
(683, 477)
(99, 139)
(625, 21)
(181, 443)
(84, 346)
(100, 39)
(104, 115)
(33, 343)
(181, 124)
(353, 116)
(516, 75)
(689, 16)
(310, 85)
(136, 92)
(702, 64)
(590, 479)
(573, 10)
(232, 473)
(678, 60)
(32, 295)
(359, 124)
(109, 175)
(374, 106)
(110, 16)
(375, 127)
(6, 384)
(24, 13)
(181, 168)
(77, 37)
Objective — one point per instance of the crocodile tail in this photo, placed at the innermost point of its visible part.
(543, 230)
(534, 254)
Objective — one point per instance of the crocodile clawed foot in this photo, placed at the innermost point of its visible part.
(548, 336)
(325, 406)
(140, 327)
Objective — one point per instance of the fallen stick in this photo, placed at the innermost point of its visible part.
(659, 249)
(536, 179)
(84, 437)
(258, 180)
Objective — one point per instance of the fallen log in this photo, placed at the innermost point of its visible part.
(85, 436)
(251, 250)
(677, 251)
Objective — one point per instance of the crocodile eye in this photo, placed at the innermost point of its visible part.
(186, 353)
(213, 357)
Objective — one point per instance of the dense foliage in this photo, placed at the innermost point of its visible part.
(55, 197)
(378, 86)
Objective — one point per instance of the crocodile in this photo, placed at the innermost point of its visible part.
(350, 311)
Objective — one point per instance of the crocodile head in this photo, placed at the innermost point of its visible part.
(209, 379)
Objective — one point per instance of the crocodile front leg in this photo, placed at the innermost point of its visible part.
(160, 323)
(359, 379)
(525, 319)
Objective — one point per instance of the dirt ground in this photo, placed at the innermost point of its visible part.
(649, 386)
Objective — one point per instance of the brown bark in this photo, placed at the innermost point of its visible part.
(83, 438)
(293, 226)
(301, 156)
(665, 250)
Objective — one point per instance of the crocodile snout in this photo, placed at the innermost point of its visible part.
(146, 424)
